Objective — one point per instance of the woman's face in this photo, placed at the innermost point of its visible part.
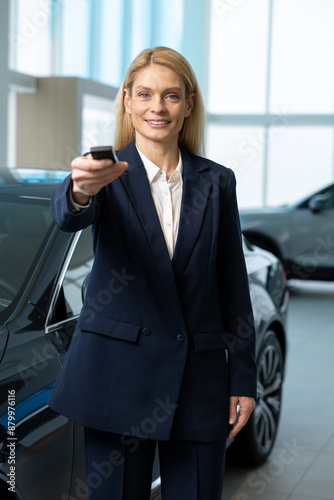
(158, 106)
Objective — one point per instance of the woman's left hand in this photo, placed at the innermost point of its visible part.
(246, 405)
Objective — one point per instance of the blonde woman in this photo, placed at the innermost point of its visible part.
(164, 361)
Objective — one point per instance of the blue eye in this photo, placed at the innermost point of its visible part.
(172, 97)
(144, 95)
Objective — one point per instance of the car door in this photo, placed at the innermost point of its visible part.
(36, 444)
(312, 236)
(64, 311)
(67, 300)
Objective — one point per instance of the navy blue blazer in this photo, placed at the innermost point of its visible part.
(149, 356)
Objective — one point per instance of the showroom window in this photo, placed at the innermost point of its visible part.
(74, 19)
(300, 162)
(89, 38)
(29, 37)
(264, 66)
(271, 96)
(98, 121)
(302, 72)
(94, 40)
(240, 148)
(238, 57)
(109, 56)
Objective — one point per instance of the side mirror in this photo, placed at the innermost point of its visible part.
(316, 203)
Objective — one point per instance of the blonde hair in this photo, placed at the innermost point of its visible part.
(192, 134)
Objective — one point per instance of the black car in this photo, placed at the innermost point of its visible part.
(42, 284)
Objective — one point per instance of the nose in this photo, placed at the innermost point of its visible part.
(158, 105)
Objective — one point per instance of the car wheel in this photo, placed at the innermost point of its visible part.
(265, 244)
(255, 442)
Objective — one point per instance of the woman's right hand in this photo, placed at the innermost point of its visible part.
(89, 176)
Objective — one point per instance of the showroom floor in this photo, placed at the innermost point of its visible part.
(301, 466)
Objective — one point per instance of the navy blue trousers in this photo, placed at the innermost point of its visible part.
(120, 468)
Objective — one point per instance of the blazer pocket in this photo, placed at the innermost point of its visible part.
(110, 328)
(208, 341)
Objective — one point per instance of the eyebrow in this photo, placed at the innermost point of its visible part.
(169, 89)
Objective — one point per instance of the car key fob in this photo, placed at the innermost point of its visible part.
(103, 153)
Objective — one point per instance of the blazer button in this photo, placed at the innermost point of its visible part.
(180, 337)
(146, 331)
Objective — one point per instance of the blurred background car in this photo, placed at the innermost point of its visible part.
(42, 283)
(301, 235)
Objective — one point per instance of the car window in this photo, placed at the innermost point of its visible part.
(25, 223)
(69, 301)
(328, 198)
(78, 269)
(326, 195)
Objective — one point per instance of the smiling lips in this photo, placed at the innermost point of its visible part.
(158, 123)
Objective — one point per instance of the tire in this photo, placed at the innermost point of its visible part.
(255, 442)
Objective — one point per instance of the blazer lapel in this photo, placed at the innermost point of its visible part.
(137, 186)
(196, 190)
